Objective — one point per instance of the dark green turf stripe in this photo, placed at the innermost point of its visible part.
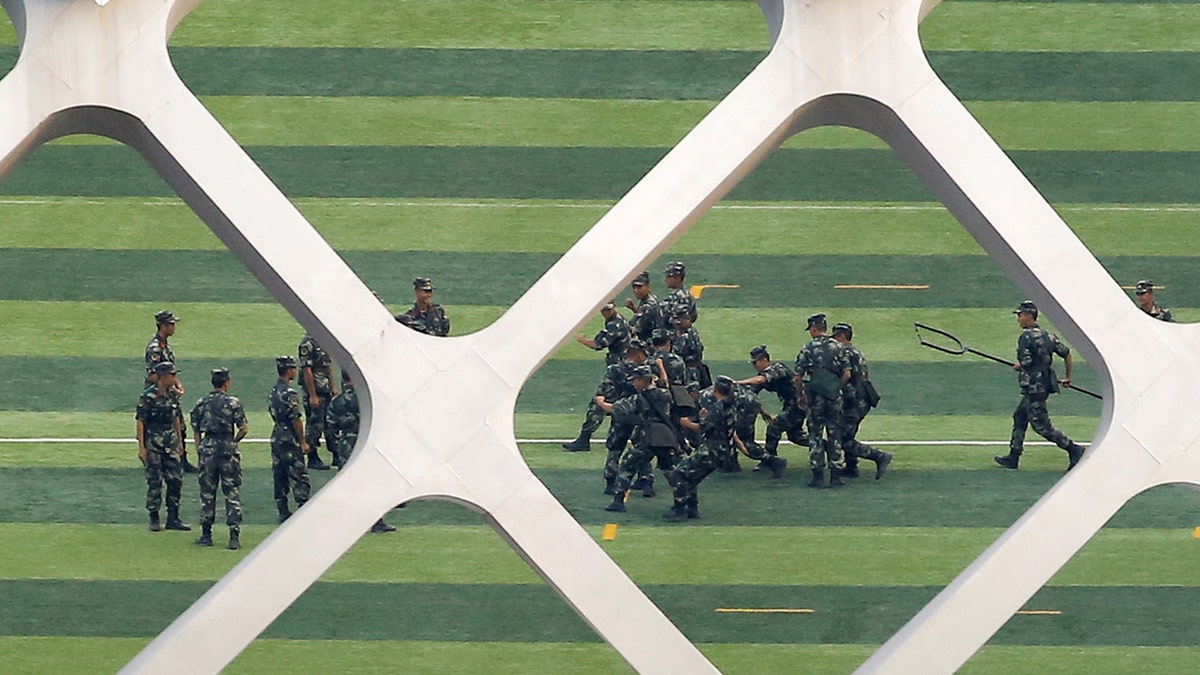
(966, 387)
(680, 75)
(605, 173)
(763, 281)
(522, 613)
(987, 497)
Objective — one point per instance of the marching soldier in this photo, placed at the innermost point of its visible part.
(614, 336)
(616, 385)
(656, 435)
(679, 298)
(219, 424)
(690, 348)
(288, 444)
(858, 397)
(1036, 350)
(647, 312)
(825, 370)
(775, 376)
(160, 445)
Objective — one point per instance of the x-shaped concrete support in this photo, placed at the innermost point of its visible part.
(438, 413)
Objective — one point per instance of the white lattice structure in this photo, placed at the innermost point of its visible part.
(438, 413)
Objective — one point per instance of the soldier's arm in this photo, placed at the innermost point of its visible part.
(177, 425)
(756, 381)
(310, 386)
(239, 419)
(604, 405)
(1070, 364)
(298, 427)
(141, 440)
(590, 343)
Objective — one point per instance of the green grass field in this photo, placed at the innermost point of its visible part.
(474, 142)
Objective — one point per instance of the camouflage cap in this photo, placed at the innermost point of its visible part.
(640, 371)
(679, 313)
(166, 316)
(843, 328)
(675, 269)
(759, 352)
(608, 305)
(638, 344)
(219, 375)
(817, 319)
(642, 279)
(423, 284)
(165, 368)
(1026, 307)
(661, 335)
(1144, 286)
(724, 384)
(285, 361)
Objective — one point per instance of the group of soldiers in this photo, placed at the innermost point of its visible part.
(218, 422)
(666, 408)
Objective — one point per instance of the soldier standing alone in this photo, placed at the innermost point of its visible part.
(425, 316)
(288, 445)
(159, 439)
(219, 423)
(1145, 300)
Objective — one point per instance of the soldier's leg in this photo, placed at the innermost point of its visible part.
(231, 487)
(298, 477)
(1016, 443)
(683, 487)
(314, 430)
(618, 436)
(279, 474)
(1039, 419)
(774, 434)
(208, 479)
(816, 442)
(631, 465)
(645, 472)
(173, 477)
(592, 420)
(154, 481)
(833, 445)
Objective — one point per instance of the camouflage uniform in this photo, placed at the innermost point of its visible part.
(655, 436)
(855, 407)
(790, 420)
(287, 459)
(716, 420)
(680, 300)
(1146, 287)
(159, 415)
(158, 351)
(822, 362)
(615, 337)
(432, 321)
(216, 416)
(313, 357)
(342, 419)
(616, 385)
(688, 346)
(746, 411)
(1036, 349)
(646, 318)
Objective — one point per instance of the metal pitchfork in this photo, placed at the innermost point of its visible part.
(960, 349)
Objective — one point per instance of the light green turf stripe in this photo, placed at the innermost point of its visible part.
(539, 226)
(212, 330)
(1062, 27)
(1016, 125)
(909, 556)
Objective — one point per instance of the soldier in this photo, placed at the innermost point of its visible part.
(157, 351)
(858, 397)
(219, 424)
(1145, 300)
(288, 444)
(714, 423)
(674, 376)
(777, 377)
(679, 298)
(1035, 364)
(647, 313)
(614, 335)
(657, 435)
(316, 378)
(425, 316)
(616, 385)
(825, 370)
(690, 348)
(159, 440)
(746, 411)
(342, 418)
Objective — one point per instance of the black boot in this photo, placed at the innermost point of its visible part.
(1074, 453)
(835, 477)
(381, 527)
(818, 479)
(154, 524)
(582, 443)
(646, 485)
(692, 509)
(881, 464)
(315, 463)
(851, 470)
(676, 513)
(205, 538)
(610, 483)
(777, 464)
(1009, 461)
(174, 523)
(234, 541)
(284, 511)
(617, 505)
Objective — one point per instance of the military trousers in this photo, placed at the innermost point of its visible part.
(853, 412)
(1031, 412)
(790, 422)
(290, 473)
(693, 469)
(163, 468)
(823, 417)
(220, 465)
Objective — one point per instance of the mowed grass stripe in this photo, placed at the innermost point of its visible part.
(426, 121)
(604, 174)
(845, 228)
(910, 556)
(562, 386)
(762, 281)
(521, 613)
(654, 75)
(214, 332)
(984, 497)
